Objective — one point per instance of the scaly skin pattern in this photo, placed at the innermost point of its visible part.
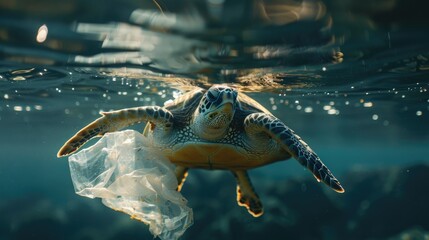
(294, 145)
(246, 195)
(116, 120)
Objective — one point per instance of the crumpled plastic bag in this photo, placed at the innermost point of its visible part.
(133, 178)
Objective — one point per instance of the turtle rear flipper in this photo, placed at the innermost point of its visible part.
(292, 143)
(114, 121)
(246, 195)
(181, 174)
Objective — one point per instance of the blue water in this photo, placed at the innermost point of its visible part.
(366, 114)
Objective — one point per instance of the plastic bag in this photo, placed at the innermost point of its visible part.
(131, 177)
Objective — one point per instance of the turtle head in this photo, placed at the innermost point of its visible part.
(215, 112)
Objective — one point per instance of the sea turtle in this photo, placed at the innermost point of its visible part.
(218, 128)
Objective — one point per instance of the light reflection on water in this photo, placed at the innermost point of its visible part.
(186, 37)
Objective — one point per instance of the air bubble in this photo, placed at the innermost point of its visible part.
(17, 108)
(368, 104)
(19, 78)
(308, 109)
(42, 34)
(333, 112)
(375, 117)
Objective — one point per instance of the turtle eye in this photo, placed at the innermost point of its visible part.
(212, 95)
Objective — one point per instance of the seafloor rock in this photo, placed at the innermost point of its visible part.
(377, 204)
(385, 204)
(412, 234)
(293, 210)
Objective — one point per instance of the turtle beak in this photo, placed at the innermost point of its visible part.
(226, 108)
(222, 115)
(215, 113)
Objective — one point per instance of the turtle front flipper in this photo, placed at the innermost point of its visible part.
(114, 121)
(292, 143)
(246, 195)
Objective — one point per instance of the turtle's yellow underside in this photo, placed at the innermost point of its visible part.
(215, 156)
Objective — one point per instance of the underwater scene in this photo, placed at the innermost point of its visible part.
(351, 78)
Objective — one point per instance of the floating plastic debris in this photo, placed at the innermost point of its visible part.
(132, 178)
